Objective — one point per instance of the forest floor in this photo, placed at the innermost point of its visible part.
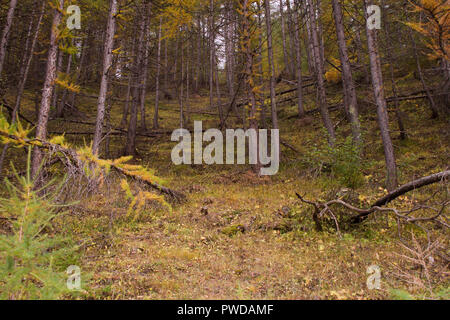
(238, 236)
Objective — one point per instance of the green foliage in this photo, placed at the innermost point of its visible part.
(31, 258)
(398, 294)
(342, 161)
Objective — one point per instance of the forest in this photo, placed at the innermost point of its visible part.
(224, 149)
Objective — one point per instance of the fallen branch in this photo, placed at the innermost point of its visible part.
(322, 208)
(71, 156)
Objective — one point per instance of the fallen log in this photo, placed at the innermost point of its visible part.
(322, 208)
(416, 184)
(73, 157)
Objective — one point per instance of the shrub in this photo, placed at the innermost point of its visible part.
(342, 161)
(29, 255)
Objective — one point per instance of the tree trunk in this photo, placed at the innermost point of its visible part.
(60, 109)
(28, 57)
(211, 54)
(271, 65)
(287, 65)
(144, 71)
(298, 54)
(322, 99)
(292, 38)
(347, 77)
(158, 74)
(130, 146)
(434, 109)
(50, 76)
(6, 32)
(107, 62)
(387, 33)
(383, 119)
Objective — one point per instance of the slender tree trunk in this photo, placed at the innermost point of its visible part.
(322, 99)
(199, 57)
(126, 106)
(298, 54)
(390, 59)
(130, 146)
(60, 109)
(307, 17)
(292, 38)
(347, 77)
(211, 54)
(287, 65)
(260, 77)
(158, 74)
(58, 71)
(383, 119)
(27, 58)
(107, 63)
(434, 109)
(166, 67)
(79, 71)
(144, 71)
(320, 32)
(6, 32)
(181, 88)
(271, 65)
(50, 76)
(188, 108)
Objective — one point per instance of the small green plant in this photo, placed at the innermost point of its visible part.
(342, 161)
(30, 256)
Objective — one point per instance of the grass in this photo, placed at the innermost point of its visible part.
(256, 241)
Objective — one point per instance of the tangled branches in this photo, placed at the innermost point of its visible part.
(438, 217)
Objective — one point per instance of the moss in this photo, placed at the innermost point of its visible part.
(233, 230)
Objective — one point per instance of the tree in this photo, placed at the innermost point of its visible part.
(50, 77)
(318, 65)
(271, 65)
(107, 62)
(380, 100)
(6, 32)
(24, 70)
(351, 103)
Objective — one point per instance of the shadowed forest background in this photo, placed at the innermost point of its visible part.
(360, 93)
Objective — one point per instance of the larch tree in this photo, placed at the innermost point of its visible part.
(347, 77)
(107, 63)
(380, 100)
(47, 91)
